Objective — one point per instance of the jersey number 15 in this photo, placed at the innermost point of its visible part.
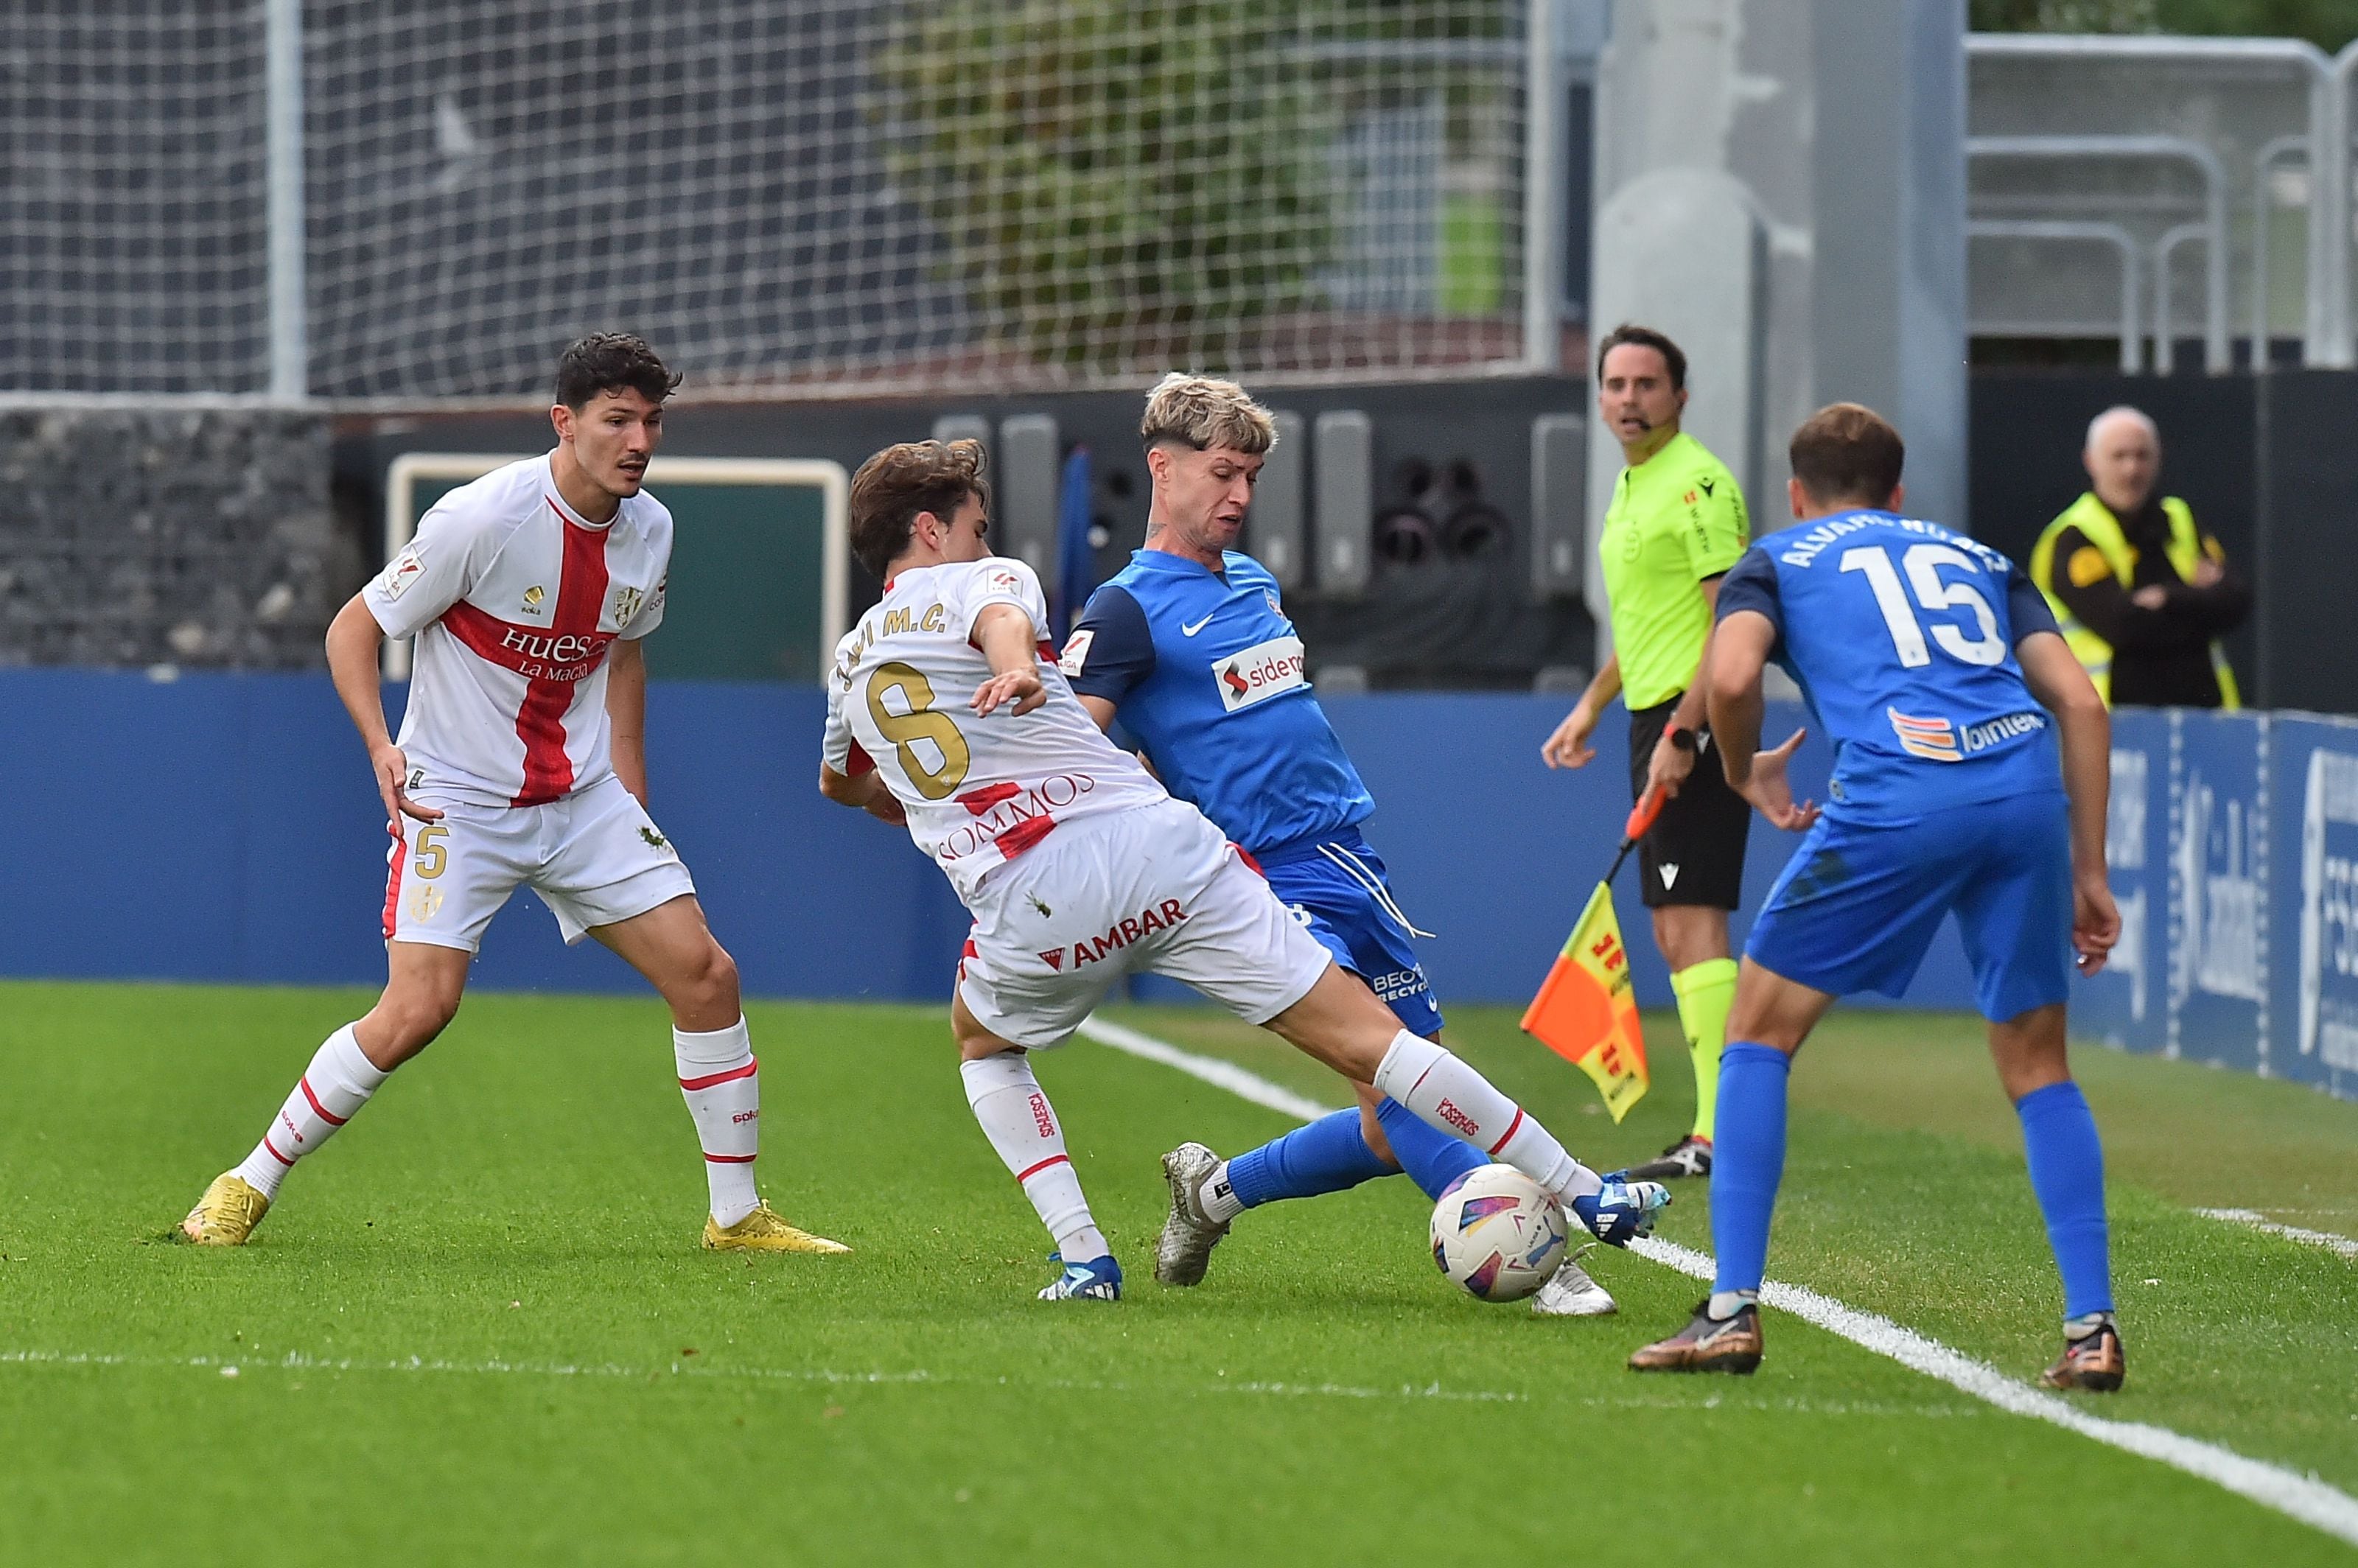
(1922, 563)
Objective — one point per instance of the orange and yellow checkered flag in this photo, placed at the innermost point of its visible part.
(1587, 1010)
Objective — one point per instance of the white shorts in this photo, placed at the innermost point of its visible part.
(1156, 888)
(594, 856)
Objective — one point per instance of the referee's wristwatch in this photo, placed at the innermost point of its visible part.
(1680, 739)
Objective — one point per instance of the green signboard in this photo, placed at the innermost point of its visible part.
(758, 565)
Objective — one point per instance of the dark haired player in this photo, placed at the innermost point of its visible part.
(1936, 669)
(1676, 524)
(522, 761)
(946, 711)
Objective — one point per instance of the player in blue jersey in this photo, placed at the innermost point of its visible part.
(1935, 667)
(1189, 647)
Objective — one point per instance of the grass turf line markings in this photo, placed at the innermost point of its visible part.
(2259, 1221)
(2311, 1501)
(298, 1361)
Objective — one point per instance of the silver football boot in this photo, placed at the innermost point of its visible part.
(1183, 1250)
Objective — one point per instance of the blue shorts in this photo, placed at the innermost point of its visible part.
(1858, 903)
(1337, 887)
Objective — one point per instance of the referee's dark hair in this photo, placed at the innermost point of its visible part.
(1645, 336)
(1847, 452)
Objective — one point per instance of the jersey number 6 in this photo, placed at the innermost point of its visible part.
(1922, 564)
(921, 722)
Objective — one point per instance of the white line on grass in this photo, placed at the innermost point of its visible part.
(2259, 1221)
(298, 1361)
(1221, 1075)
(2304, 1498)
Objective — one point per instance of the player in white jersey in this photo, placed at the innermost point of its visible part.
(1079, 868)
(522, 761)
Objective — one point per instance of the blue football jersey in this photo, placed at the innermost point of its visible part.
(1207, 675)
(1901, 636)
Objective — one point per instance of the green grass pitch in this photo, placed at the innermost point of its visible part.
(478, 1329)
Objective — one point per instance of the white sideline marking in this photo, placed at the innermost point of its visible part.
(2259, 1221)
(1220, 1074)
(299, 1361)
(2304, 1498)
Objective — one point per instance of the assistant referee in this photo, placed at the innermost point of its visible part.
(1676, 526)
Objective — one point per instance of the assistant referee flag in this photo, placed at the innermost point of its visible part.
(1586, 1010)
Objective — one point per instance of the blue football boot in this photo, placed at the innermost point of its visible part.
(1621, 1211)
(1096, 1281)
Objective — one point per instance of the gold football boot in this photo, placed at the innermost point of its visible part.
(227, 1213)
(763, 1231)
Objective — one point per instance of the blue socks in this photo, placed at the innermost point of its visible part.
(1430, 1157)
(1331, 1154)
(1326, 1156)
(2067, 1172)
(1748, 1160)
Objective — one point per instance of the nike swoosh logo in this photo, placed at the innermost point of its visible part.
(1187, 631)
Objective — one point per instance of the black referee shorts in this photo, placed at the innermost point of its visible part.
(1695, 853)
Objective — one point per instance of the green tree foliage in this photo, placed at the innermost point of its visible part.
(1118, 180)
(2329, 24)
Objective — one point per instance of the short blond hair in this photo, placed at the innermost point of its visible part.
(1203, 412)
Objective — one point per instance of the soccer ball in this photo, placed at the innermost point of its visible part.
(1498, 1234)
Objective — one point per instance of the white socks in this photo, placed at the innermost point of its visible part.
(1021, 1125)
(1217, 1199)
(1445, 1093)
(338, 1082)
(722, 1084)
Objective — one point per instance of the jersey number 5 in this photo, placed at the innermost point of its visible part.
(921, 722)
(1922, 564)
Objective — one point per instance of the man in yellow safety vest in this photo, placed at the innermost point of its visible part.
(2142, 593)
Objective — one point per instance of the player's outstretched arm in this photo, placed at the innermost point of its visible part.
(353, 639)
(2055, 677)
(1008, 641)
(1734, 661)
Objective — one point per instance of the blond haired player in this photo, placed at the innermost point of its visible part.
(522, 761)
(946, 710)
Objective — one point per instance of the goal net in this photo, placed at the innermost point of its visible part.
(871, 194)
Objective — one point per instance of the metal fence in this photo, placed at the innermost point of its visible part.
(347, 202)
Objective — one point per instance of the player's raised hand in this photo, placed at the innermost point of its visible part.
(392, 776)
(1771, 791)
(1569, 747)
(2095, 920)
(1019, 687)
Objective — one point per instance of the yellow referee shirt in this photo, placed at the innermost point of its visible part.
(1676, 519)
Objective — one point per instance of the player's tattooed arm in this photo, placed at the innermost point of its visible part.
(626, 712)
(1737, 654)
(2055, 677)
(1008, 641)
(354, 641)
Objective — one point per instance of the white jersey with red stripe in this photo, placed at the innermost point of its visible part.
(515, 600)
(979, 790)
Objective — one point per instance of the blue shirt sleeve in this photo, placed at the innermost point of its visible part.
(2027, 608)
(1751, 584)
(1113, 650)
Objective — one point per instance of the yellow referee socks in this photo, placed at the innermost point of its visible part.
(1705, 992)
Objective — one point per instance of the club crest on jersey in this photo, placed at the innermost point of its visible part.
(626, 604)
(1262, 671)
(534, 595)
